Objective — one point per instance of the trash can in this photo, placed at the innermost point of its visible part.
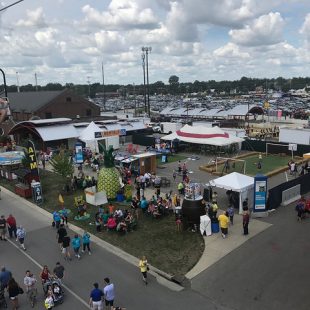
(215, 227)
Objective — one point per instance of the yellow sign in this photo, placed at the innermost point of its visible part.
(266, 105)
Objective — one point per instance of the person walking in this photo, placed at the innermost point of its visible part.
(66, 247)
(96, 295)
(109, 294)
(5, 276)
(245, 220)
(64, 216)
(14, 290)
(30, 285)
(21, 234)
(59, 272)
(76, 244)
(86, 242)
(3, 228)
(12, 228)
(144, 268)
(231, 213)
(57, 219)
(61, 233)
(224, 222)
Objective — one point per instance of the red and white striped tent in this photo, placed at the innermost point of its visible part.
(203, 135)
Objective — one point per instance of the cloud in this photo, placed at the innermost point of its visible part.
(121, 14)
(230, 50)
(35, 18)
(305, 28)
(265, 30)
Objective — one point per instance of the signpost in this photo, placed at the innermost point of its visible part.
(260, 193)
(37, 192)
(292, 147)
(79, 153)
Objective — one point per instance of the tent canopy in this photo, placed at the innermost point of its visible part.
(306, 156)
(234, 181)
(88, 134)
(203, 135)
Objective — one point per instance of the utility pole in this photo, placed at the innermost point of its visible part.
(103, 90)
(36, 81)
(17, 80)
(144, 87)
(88, 82)
(147, 50)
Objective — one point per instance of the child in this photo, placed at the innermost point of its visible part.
(231, 212)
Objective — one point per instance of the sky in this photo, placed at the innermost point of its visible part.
(67, 41)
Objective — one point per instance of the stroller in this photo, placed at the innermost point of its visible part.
(2, 299)
(54, 284)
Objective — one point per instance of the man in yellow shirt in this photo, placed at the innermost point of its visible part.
(224, 222)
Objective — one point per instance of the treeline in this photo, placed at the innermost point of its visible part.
(175, 87)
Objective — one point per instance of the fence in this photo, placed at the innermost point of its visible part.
(143, 139)
(275, 194)
(260, 146)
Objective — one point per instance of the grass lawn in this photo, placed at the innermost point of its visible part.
(269, 163)
(172, 252)
(171, 159)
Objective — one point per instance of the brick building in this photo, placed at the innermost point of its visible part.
(51, 104)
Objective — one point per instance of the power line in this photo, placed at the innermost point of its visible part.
(8, 6)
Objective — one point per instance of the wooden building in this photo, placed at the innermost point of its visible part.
(51, 104)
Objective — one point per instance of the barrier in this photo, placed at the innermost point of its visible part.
(290, 195)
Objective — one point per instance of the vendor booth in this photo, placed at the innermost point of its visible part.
(237, 182)
(9, 162)
(146, 162)
(25, 178)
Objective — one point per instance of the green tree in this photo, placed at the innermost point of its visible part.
(174, 83)
(62, 165)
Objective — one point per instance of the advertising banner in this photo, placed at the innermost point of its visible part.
(79, 153)
(260, 193)
(107, 133)
(33, 165)
(37, 192)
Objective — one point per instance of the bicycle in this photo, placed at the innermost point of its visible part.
(32, 295)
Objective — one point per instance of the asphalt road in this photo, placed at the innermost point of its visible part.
(270, 271)
(42, 248)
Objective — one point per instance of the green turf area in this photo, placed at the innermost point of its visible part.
(168, 250)
(171, 158)
(269, 163)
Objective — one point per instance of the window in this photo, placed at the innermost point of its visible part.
(48, 114)
(88, 112)
(68, 99)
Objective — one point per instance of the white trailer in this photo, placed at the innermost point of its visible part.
(294, 135)
(167, 127)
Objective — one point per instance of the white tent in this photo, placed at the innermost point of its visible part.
(236, 182)
(203, 135)
(88, 136)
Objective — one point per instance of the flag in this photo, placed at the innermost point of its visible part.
(33, 159)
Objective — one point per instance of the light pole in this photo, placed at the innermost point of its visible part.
(147, 50)
(144, 87)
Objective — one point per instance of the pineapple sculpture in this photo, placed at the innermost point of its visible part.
(108, 179)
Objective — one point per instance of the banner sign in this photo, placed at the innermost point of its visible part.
(37, 192)
(79, 153)
(33, 158)
(260, 193)
(122, 132)
(107, 133)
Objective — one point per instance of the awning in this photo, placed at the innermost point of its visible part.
(203, 135)
(51, 133)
